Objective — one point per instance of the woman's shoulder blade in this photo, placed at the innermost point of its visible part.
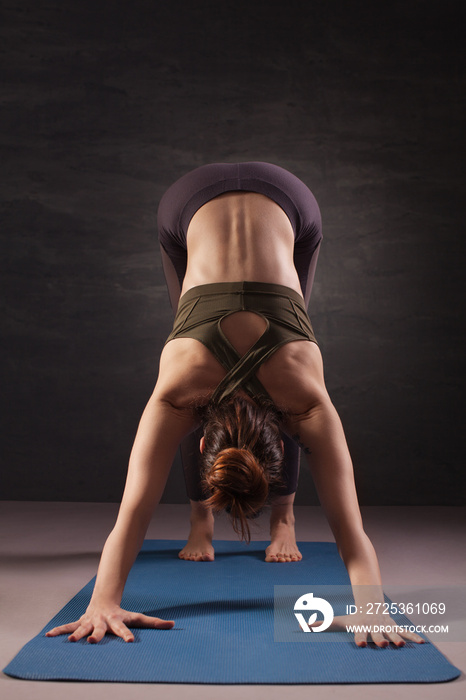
(293, 376)
(188, 371)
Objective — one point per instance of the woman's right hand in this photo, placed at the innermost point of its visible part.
(99, 620)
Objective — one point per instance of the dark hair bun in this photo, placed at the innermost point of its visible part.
(242, 458)
(237, 484)
(238, 472)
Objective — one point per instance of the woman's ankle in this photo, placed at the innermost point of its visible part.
(200, 513)
(282, 512)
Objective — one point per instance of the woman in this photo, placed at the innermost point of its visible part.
(283, 213)
(239, 375)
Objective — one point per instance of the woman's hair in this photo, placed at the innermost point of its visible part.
(242, 458)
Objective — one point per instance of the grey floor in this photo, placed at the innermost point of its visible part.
(48, 551)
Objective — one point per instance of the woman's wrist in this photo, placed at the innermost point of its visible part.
(105, 598)
(363, 569)
(118, 556)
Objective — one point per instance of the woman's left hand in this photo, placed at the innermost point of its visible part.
(380, 629)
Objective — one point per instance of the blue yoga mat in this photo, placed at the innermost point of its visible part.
(224, 627)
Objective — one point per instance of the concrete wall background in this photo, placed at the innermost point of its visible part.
(105, 104)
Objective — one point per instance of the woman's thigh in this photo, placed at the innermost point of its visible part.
(171, 279)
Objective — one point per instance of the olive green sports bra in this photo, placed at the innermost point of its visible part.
(202, 309)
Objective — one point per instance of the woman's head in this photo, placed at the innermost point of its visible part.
(241, 458)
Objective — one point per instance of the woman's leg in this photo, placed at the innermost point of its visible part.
(190, 457)
(199, 544)
(283, 546)
(311, 271)
(190, 445)
(171, 278)
(292, 453)
(291, 461)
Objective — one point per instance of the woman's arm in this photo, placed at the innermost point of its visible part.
(161, 428)
(320, 434)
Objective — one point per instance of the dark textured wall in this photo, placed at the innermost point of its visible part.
(104, 104)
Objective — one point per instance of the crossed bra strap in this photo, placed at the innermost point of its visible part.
(203, 308)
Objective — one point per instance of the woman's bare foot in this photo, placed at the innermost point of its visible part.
(199, 544)
(282, 547)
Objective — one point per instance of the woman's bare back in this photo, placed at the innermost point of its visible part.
(240, 236)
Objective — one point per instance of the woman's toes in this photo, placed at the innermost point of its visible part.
(284, 557)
